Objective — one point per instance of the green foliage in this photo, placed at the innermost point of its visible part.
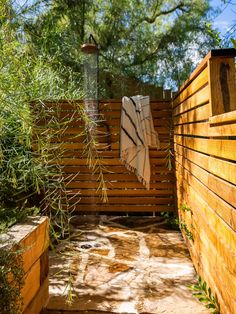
(187, 232)
(171, 219)
(204, 295)
(185, 208)
(27, 174)
(157, 42)
(11, 281)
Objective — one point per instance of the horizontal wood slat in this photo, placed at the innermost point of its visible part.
(205, 161)
(123, 208)
(223, 209)
(199, 98)
(205, 129)
(222, 188)
(216, 147)
(197, 114)
(221, 168)
(193, 87)
(124, 191)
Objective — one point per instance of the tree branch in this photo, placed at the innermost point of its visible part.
(157, 13)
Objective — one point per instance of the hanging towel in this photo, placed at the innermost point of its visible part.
(137, 134)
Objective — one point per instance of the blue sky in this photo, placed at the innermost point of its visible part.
(227, 18)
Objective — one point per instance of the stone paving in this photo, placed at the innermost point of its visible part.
(122, 265)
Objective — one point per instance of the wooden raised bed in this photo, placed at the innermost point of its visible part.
(32, 237)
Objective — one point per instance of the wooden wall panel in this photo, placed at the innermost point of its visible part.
(125, 193)
(205, 155)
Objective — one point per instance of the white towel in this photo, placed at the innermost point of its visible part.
(137, 134)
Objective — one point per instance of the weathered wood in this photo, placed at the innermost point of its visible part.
(221, 168)
(124, 200)
(40, 299)
(124, 208)
(221, 208)
(219, 148)
(129, 177)
(206, 172)
(198, 114)
(204, 129)
(31, 284)
(222, 85)
(204, 232)
(199, 129)
(123, 193)
(192, 88)
(224, 118)
(199, 98)
(199, 204)
(121, 184)
(220, 187)
(203, 64)
(118, 185)
(205, 240)
(75, 161)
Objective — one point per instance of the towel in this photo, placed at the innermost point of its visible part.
(137, 134)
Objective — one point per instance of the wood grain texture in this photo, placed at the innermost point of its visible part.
(125, 191)
(205, 155)
(192, 88)
(222, 85)
(199, 98)
(216, 147)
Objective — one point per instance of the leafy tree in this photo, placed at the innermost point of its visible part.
(24, 77)
(152, 40)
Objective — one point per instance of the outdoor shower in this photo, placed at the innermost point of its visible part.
(90, 55)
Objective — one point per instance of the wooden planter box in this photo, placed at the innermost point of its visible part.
(33, 238)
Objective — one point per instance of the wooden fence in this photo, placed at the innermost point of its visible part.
(125, 193)
(204, 115)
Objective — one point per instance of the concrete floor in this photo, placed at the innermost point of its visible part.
(122, 265)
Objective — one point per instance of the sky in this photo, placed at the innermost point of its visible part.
(224, 21)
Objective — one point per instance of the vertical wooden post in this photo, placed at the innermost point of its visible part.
(221, 69)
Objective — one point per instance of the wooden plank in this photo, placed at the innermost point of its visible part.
(155, 105)
(115, 177)
(221, 208)
(198, 129)
(124, 208)
(222, 85)
(211, 276)
(205, 231)
(221, 168)
(125, 200)
(199, 98)
(115, 162)
(103, 130)
(77, 153)
(220, 187)
(35, 244)
(219, 148)
(206, 276)
(114, 169)
(213, 53)
(196, 201)
(29, 290)
(224, 118)
(118, 185)
(222, 130)
(193, 87)
(122, 193)
(40, 300)
(204, 129)
(198, 114)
